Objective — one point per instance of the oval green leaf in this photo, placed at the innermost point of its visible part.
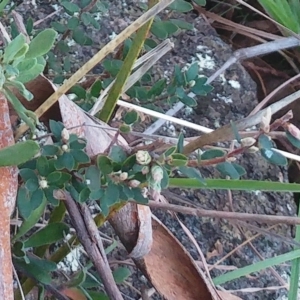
(18, 153)
(274, 157)
(42, 43)
(227, 169)
(49, 234)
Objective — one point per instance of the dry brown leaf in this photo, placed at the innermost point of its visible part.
(144, 240)
(217, 251)
(168, 266)
(219, 246)
(41, 90)
(218, 267)
(172, 270)
(73, 293)
(212, 254)
(8, 193)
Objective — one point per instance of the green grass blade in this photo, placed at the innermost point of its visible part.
(242, 185)
(267, 263)
(3, 4)
(283, 12)
(125, 70)
(295, 272)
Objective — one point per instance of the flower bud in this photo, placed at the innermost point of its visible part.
(144, 192)
(65, 148)
(266, 120)
(65, 135)
(43, 184)
(252, 149)
(123, 176)
(293, 130)
(248, 141)
(134, 183)
(145, 170)
(157, 173)
(231, 159)
(192, 83)
(143, 157)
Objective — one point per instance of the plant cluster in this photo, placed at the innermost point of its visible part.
(119, 175)
(21, 62)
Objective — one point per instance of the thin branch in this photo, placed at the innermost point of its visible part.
(90, 239)
(170, 195)
(227, 215)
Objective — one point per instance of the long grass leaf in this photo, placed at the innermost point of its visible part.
(125, 70)
(295, 272)
(267, 263)
(242, 185)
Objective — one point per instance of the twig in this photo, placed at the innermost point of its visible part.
(249, 52)
(184, 200)
(88, 234)
(143, 64)
(163, 116)
(126, 68)
(227, 215)
(248, 226)
(244, 243)
(4, 35)
(18, 283)
(20, 25)
(36, 23)
(273, 93)
(225, 133)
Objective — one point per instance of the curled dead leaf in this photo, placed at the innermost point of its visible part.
(144, 241)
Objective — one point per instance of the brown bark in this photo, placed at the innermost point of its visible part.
(8, 191)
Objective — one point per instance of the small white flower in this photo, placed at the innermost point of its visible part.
(65, 135)
(134, 183)
(248, 141)
(253, 149)
(231, 159)
(43, 184)
(157, 173)
(143, 157)
(65, 148)
(123, 176)
(192, 83)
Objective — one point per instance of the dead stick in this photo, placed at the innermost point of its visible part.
(90, 240)
(226, 215)
(254, 51)
(225, 133)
